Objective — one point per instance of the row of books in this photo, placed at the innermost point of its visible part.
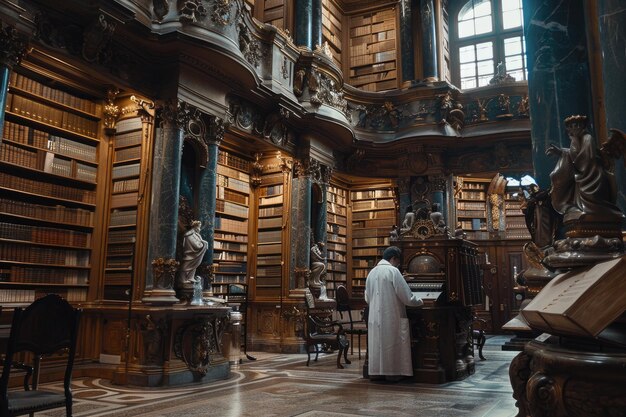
(374, 77)
(472, 195)
(369, 48)
(336, 219)
(275, 178)
(121, 262)
(336, 238)
(26, 135)
(232, 209)
(55, 213)
(336, 256)
(371, 241)
(232, 196)
(336, 209)
(28, 296)
(273, 248)
(221, 245)
(474, 224)
(124, 200)
(127, 248)
(47, 189)
(122, 236)
(332, 246)
(333, 228)
(373, 204)
(271, 190)
(367, 251)
(269, 236)
(376, 223)
(231, 236)
(233, 183)
(514, 212)
(47, 235)
(380, 67)
(125, 125)
(270, 211)
(127, 153)
(52, 116)
(123, 217)
(48, 275)
(232, 173)
(117, 278)
(471, 205)
(230, 256)
(470, 213)
(270, 222)
(363, 263)
(122, 171)
(517, 234)
(128, 139)
(267, 271)
(269, 260)
(237, 267)
(339, 266)
(25, 83)
(379, 86)
(337, 199)
(367, 215)
(371, 232)
(231, 225)
(226, 158)
(365, 195)
(123, 186)
(51, 256)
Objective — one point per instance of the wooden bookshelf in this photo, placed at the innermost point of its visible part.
(331, 28)
(274, 12)
(124, 195)
(471, 207)
(232, 212)
(48, 178)
(374, 212)
(373, 50)
(514, 218)
(269, 236)
(336, 241)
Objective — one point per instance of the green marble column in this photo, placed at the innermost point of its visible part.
(407, 48)
(558, 75)
(12, 50)
(303, 31)
(429, 41)
(168, 148)
(300, 243)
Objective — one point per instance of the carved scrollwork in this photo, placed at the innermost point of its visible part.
(221, 12)
(152, 334)
(197, 341)
(160, 8)
(176, 112)
(544, 395)
(519, 372)
(164, 271)
(256, 168)
(13, 47)
(96, 38)
(191, 10)
(249, 46)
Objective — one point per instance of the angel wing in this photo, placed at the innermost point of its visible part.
(614, 147)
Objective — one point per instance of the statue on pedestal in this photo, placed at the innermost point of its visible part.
(318, 265)
(194, 248)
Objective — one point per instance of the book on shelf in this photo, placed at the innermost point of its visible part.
(231, 225)
(269, 248)
(128, 139)
(121, 171)
(46, 235)
(124, 125)
(124, 200)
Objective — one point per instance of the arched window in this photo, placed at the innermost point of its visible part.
(487, 33)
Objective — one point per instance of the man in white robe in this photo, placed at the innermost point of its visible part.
(389, 337)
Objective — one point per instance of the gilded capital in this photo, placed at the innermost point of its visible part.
(13, 47)
(164, 271)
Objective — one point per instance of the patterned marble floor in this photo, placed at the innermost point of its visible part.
(281, 385)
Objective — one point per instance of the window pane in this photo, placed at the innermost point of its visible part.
(466, 28)
(468, 83)
(467, 54)
(514, 63)
(468, 70)
(483, 25)
(511, 4)
(484, 51)
(513, 46)
(484, 80)
(511, 19)
(482, 8)
(467, 11)
(485, 68)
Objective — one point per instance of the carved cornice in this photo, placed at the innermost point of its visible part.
(13, 47)
(177, 113)
(164, 271)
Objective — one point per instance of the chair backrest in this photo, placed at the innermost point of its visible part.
(48, 325)
(343, 298)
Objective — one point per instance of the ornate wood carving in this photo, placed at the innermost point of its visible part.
(111, 111)
(191, 10)
(152, 335)
(197, 341)
(13, 47)
(164, 271)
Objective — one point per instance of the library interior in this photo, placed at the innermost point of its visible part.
(193, 194)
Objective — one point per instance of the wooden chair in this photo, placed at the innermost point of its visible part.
(321, 331)
(355, 327)
(478, 335)
(47, 326)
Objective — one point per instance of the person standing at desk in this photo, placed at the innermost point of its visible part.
(389, 340)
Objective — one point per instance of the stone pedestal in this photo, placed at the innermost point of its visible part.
(550, 379)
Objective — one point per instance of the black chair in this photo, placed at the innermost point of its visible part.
(323, 332)
(47, 326)
(478, 335)
(354, 327)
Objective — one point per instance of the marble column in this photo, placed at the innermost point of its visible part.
(168, 148)
(558, 75)
(438, 187)
(321, 231)
(407, 48)
(308, 26)
(12, 50)
(404, 198)
(207, 197)
(612, 37)
(300, 240)
(429, 40)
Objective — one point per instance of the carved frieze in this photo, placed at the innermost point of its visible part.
(160, 8)
(221, 12)
(13, 46)
(271, 127)
(317, 87)
(152, 333)
(388, 116)
(191, 10)
(249, 45)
